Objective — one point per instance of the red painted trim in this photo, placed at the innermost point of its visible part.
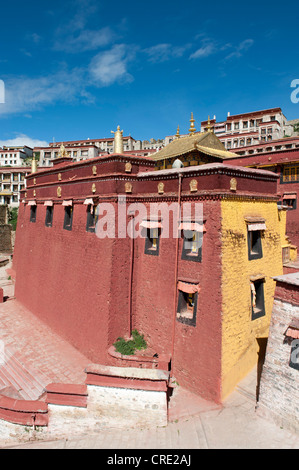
(132, 358)
(126, 382)
(287, 293)
(23, 412)
(67, 394)
(161, 362)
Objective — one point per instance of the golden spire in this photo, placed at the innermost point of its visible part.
(118, 140)
(33, 165)
(178, 132)
(192, 128)
(209, 124)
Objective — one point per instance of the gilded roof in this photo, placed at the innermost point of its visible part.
(205, 142)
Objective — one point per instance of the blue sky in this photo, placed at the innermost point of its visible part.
(78, 68)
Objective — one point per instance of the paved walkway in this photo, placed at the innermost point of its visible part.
(31, 354)
(233, 426)
(194, 422)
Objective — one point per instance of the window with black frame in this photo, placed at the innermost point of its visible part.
(68, 218)
(91, 218)
(192, 233)
(290, 200)
(257, 298)
(255, 231)
(49, 216)
(151, 230)
(33, 211)
(187, 303)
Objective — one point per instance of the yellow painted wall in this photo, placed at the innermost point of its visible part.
(239, 344)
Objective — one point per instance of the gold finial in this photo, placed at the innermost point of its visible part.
(33, 165)
(118, 140)
(209, 124)
(178, 132)
(192, 128)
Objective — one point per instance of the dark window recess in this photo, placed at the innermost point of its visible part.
(68, 218)
(255, 244)
(294, 359)
(257, 299)
(152, 241)
(33, 214)
(192, 245)
(49, 216)
(91, 218)
(291, 203)
(187, 306)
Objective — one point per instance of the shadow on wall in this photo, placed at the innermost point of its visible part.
(262, 346)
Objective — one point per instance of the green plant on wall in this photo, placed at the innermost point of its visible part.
(13, 217)
(128, 347)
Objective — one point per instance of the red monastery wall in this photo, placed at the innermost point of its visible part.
(80, 284)
(64, 278)
(154, 310)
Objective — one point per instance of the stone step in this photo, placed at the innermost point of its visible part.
(26, 382)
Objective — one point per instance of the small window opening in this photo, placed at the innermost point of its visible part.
(187, 307)
(33, 214)
(192, 245)
(257, 299)
(91, 218)
(254, 244)
(49, 216)
(68, 218)
(152, 241)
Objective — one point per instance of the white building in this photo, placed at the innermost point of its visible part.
(242, 130)
(14, 156)
(12, 181)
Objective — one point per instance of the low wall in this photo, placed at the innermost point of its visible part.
(145, 362)
(129, 395)
(117, 397)
(5, 238)
(26, 412)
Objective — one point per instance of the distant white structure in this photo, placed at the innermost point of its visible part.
(14, 156)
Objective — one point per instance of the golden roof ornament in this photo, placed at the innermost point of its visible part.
(192, 128)
(62, 152)
(118, 140)
(177, 135)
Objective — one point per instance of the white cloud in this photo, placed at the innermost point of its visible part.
(204, 51)
(85, 40)
(21, 140)
(24, 94)
(34, 37)
(110, 66)
(163, 52)
(240, 49)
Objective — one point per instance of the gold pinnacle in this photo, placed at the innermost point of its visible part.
(192, 128)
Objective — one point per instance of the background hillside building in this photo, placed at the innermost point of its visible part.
(12, 182)
(252, 128)
(14, 156)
